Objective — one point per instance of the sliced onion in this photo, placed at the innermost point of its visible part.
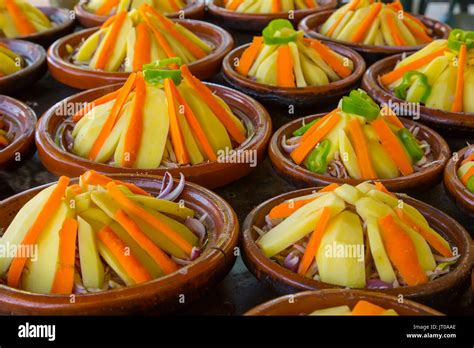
(259, 230)
(166, 185)
(272, 222)
(291, 262)
(445, 259)
(378, 284)
(469, 150)
(299, 248)
(195, 253)
(173, 195)
(203, 218)
(179, 261)
(286, 147)
(436, 273)
(197, 227)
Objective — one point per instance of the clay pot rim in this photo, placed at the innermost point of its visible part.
(212, 253)
(454, 184)
(311, 32)
(36, 62)
(353, 293)
(299, 173)
(235, 78)
(55, 58)
(253, 254)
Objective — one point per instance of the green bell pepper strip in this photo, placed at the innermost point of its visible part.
(300, 131)
(277, 25)
(157, 76)
(401, 90)
(359, 103)
(470, 184)
(163, 63)
(458, 37)
(317, 159)
(411, 144)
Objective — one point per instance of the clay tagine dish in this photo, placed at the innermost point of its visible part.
(375, 30)
(284, 67)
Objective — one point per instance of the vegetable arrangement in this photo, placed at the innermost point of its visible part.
(359, 140)
(126, 41)
(10, 62)
(362, 307)
(4, 136)
(283, 57)
(162, 117)
(466, 170)
(269, 6)
(20, 18)
(355, 236)
(439, 76)
(110, 7)
(99, 234)
(375, 23)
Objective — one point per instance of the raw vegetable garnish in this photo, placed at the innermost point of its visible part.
(375, 23)
(355, 236)
(10, 62)
(162, 117)
(362, 307)
(359, 140)
(98, 235)
(269, 6)
(439, 76)
(4, 134)
(20, 18)
(128, 40)
(466, 170)
(111, 7)
(283, 57)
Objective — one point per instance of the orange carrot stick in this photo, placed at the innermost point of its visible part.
(364, 26)
(329, 188)
(174, 5)
(276, 6)
(392, 145)
(285, 66)
(150, 219)
(75, 189)
(106, 7)
(394, 30)
(459, 94)
(396, 5)
(285, 209)
(366, 308)
(21, 21)
(381, 187)
(330, 57)
(314, 241)
(401, 251)
(108, 22)
(142, 47)
(123, 255)
(64, 278)
(91, 177)
(158, 36)
(249, 56)
(315, 126)
(417, 33)
(468, 159)
(177, 137)
(467, 175)
(110, 40)
(166, 264)
(311, 3)
(208, 97)
(299, 154)
(391, 116)
(42, 220)
(113, 116)
(416, 20)
(233, 5)
(350, 7)
(361, 149)
(89, 106)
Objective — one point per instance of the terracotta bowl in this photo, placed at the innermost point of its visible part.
(371, 53)
(211, 175)
(194, 10)
(35, 57)
(463, 197)
(462, 121)
(158, 296)
(63, 23)
(83, 78)
(306, 302)
(303, 177)
(258, 21)
(21, 120)
(316, 96)
(438, 291)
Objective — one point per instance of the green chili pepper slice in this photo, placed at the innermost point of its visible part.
(300, 131)
(458, 37)
(156, 72)
(401, 91)
(411, 144)
(279, 32)
(317, 159)
(470, 184)
(359, 103)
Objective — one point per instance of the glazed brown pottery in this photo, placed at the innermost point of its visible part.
(463, 197)
(303, 177)
(371, 53)
(306, 302)
(63, 23)
(214, 174)
(258, 21)
(437, 118)
(63, 70)
(194, 10)
(35, 57)
(20, 121)
(439, 291)
(158, 296)
(315, 96)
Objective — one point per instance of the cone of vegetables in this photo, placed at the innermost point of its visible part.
(375, 23)
(128, 40)
(97, 235)
(269, 6)
(163, 117)
(355, 236)
(359, 140)
(439, 76)
(20, 18)
(10, 62)
(111, 7)
(466, 170)
(283, 57)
